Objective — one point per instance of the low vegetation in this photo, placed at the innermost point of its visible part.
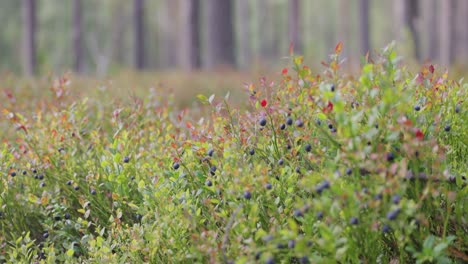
(313, 168)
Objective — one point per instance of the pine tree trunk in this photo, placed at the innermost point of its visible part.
(220, 32)
(243, 33)
(294, 18)
(461, 32)
(29, 37)
(77, 37)
(445, 33)
(364, 26)
(138, 31)
(188, 40)
(344, 27)
(432, 30)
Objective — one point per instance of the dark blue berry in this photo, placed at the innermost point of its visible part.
(299, 123)
(322, 186)
(176, 165)
(69, 182)
(289, 121)
(457, 109)
(34, 171)
(308, 147)
(332, 88)
(417, 108)
(93, 192)
(349, 171)
(330, 126)
(396, 199)
(298, 213)
(45, 235)
(211, 152)
(283, 126)
(126, 159)
(247, 195)
(270, 260)
(263, 121)
(213, 169)
(353, 221)
(268, 186)
(291, 243)
(304, 260)
(386, 228)
(76, 188)
(13, 174)
(392, 215)
(252, 151)
(378, 196)
(390, 156)
(281, 246)
(67, 216)
(318, 122)
(41, 176)
(319, 215)
(208, 183)
(25, 172)
(42, 184)
(447, 128)
(258, 255)
(280, 162)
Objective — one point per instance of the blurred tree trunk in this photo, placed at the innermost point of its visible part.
(412, 14)
(29, 36)
(344, 28)
(138, 31)
(399, 18)
(293, 23)
(267, 28)
(461, 32)
(189, 47)
(244, 49)
(220, 32)
(171, 32)
(364, 27)
(195, 34)
(432, 28)
(119, 22)
(445, 31)
(77, 37)
(406, 15)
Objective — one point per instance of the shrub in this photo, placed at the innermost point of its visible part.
(315, 168)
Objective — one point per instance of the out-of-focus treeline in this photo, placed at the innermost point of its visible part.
(98, 37)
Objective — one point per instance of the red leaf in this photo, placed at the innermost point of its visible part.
(338, 47)
(263, 103)
(419, 134)
(431, 68)
(328, 108)
(325, 64)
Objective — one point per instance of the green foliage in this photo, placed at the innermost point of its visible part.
(314, 168)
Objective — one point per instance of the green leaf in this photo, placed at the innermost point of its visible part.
(202, 99)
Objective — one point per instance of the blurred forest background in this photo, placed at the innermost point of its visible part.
(101, 37)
